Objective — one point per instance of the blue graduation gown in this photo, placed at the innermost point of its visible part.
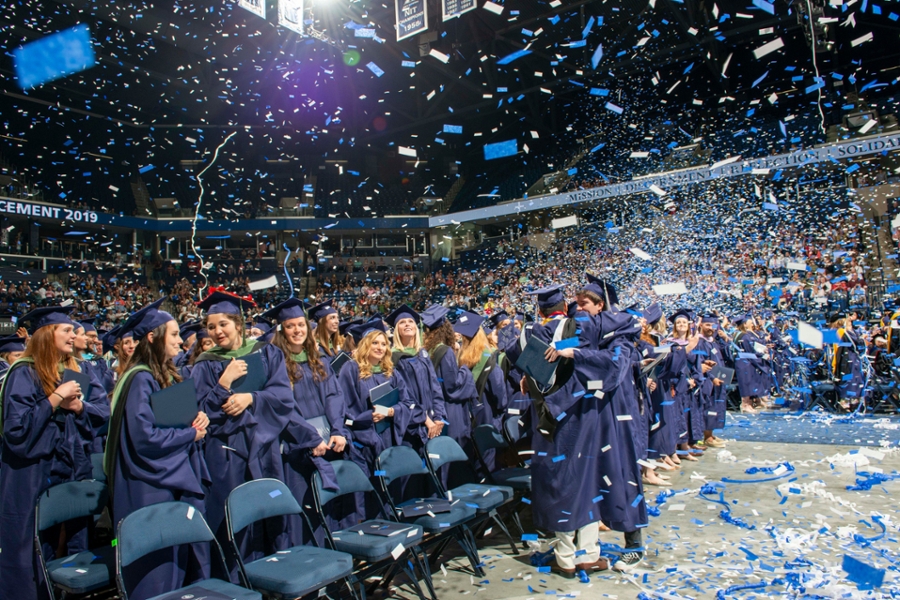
(245, 447)
(158, 465)
(490, 408)
(847, 366)
(458, 389)
(674, 373)
(423, 389)
(313, 399)
(712, 396)
(40, 448)
(367, 442)
(662, 409)
(754, 375)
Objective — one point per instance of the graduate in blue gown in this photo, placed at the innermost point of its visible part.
(682, 379)
(11, 348)
(188, 332)
(846, 364)
(202, 344)
(146, 464)
(567, 442)
(413, 365)
(85, 343)
(318, 399)
(245, 429)
(712, 389)
(372, 366)
(327, 330)
(457, 385)
(492, 400)
(752, 370)
(48, 428)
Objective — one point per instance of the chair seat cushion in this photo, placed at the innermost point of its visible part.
(483, 497)
(373, 548)
(459, 513)
(516, 478)
(298, 571)
(211, 589)
(83, 572)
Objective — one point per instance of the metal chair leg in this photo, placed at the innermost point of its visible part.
(512, 544)
(422, 565)
(411, 573)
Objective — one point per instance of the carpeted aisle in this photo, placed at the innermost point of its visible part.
(813, 428)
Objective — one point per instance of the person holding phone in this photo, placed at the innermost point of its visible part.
(318, 398)
(245, 427)
(48, 427)
(146, 464)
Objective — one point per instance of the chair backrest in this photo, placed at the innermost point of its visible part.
(160, 526)
(350, 478)
(71, 500)
(512, 429)
(259, 499)
(444, 449)
(399, 461)
(97, 466)
(487, 437)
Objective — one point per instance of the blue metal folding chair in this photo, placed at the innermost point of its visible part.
(84, 572)
(375, 553)
(288, 573)
(402, 461)
(166, 525)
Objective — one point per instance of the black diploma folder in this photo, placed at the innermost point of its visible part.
(386, 396)
(339, 361)
(382, 528)
(83, 379)
(723, 373)
(175, 406)
(255, 379)
(423, 506)
(532, 361)
(322, 426)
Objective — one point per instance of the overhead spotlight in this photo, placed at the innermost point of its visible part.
(817, 24)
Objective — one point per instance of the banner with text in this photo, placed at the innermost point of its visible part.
(662, 181)
(454, 8)
(290, 15)
(412, 17)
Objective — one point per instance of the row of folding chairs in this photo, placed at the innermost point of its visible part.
(352, 556)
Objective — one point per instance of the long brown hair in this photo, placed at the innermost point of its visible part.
(295, 374)
(442, 334)
(361, 356)
(473, 349)
(153, 354)
(42, 348)
(322, 338)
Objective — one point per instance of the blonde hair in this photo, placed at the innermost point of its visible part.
(473, 349)
(361, 356)
(398, 344)
(42, 348)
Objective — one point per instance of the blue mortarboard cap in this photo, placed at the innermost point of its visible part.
(12, 343)
(344, 326)
(603, 289)
(263, 327)
(468, 323)
(634, 309)
(88, 325)
(549, 297)
(710, 319)
(523, 318)
(363, 329)
(653, 314)
(291, 308)
(572, 309)
(190, 328)
(110, 338)
(403, 312)
(320, 311)
(486, 327)
(683, 313)
(47, 315)
(220, 302)
(499, 317)
(434, 315)
(146, 320)
(202, 334)
(739, 320)
(267, 336)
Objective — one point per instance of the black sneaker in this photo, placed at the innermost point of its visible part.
(628, 561)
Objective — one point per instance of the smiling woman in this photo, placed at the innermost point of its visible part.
(47, 429)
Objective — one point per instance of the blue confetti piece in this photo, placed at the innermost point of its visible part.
(275, 493)
(54, 56)
(559, 458)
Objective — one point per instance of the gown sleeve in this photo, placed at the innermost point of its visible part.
(27, 414)
(457, 382)
(437, 395)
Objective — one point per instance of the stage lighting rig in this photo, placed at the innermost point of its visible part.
(817, 22)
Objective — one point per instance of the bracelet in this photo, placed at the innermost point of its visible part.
(60, 396)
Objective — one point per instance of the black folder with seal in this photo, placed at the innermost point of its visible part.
(533, 363)
(723, 373)
(423, 506)
(83, 379)
(175, 406)
(384, 395)
(382, 528)
(322, 426)
(339, 361)
(255, 379)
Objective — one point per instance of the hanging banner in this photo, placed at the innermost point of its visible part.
(257, 7)
(454, 8)
(290, 15)
(412, 17)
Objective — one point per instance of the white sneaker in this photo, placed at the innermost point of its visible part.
(628, 561)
